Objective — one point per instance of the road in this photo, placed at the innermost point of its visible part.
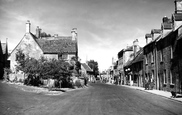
(97, 99)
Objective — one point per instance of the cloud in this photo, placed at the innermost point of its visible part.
(104, 27)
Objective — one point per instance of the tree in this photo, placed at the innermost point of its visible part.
(20, 59)
(94, 66)
(41, 68)
(76, 64)
(44, 34)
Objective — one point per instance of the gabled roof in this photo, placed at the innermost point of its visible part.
(57, 45)
(128, 63)
(139, 57)
(86, 67)
(31, 35)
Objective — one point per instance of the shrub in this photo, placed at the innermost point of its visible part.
(44, 69)
(78, 83)
(7, 71)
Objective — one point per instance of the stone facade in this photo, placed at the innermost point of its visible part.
(29, 47)
(50, 47)
(123, 58)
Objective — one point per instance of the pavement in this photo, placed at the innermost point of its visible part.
(157, 92)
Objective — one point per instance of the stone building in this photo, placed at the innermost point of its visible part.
(36, 46)
(176, 66)
(123, 58)
(161, 56)
(86, 71)
(137, 69)
(149, 64)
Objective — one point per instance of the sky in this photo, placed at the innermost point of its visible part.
(104, 27)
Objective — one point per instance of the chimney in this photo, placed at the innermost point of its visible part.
(135, 47)
(38, 32)
(74, 33)
(28, 26)
(155, 33)
(166, 26)
(148, 38)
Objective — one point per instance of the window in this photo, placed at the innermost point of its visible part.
(64, 56)
(161, 56)
(165, 77)
(172, 80)
(146, 60)
(152, 78)
(171, 52)
(152, 57)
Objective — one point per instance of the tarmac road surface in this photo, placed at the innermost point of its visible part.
(97, 99)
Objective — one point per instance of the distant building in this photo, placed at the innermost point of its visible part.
(86, 71)
(125, 57)
(136, 67)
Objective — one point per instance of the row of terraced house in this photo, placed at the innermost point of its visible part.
(158, 65)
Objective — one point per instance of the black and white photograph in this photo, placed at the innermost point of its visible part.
(90, 57)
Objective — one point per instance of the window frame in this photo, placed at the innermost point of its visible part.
(165, 77)
(161, 56)
(171, 50)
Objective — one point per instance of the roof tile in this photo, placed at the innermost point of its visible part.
(57, 45)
